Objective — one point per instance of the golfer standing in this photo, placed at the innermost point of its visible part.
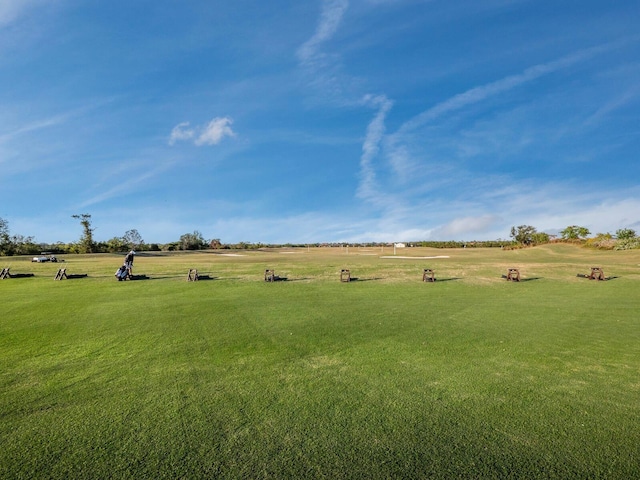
(128, 262)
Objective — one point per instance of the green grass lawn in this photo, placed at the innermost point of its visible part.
(384, 377)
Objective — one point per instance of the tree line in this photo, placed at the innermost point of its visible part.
(131, 240)
(521, 236)
(624, 238)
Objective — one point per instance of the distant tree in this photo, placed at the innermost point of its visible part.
(523, 234)
(133, 239)
(86, 243)
(5, 241)
(116, 244)
(247, 246)
(192, 241)
(540, 238)
(171, 247)
(215, 243)
(625, 233)
(4, 229)
(21, 245)
(574, 232)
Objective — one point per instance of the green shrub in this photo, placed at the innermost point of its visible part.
(603, 241)
(627, 244)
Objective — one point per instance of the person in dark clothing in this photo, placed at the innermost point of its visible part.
(128, 262)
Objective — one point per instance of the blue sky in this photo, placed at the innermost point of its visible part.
(318, 120)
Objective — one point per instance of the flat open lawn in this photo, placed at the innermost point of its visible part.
(385, 377)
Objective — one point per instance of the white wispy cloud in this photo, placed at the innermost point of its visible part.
(367, 188)
(19, 126)
(482, 92)
(11, 10)
(598, 215)
(621, 101)
(466, 227)
(128, 185)
(406, 208)
(36, 125)
(549, 207)
(211, 134)
(181, 132)
(215, 131)
(423, 166)
(321, 66)
(431, 220)
(330, 18)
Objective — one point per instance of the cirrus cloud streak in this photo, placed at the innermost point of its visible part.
(211, 134)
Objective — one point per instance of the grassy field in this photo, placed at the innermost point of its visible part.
(385, 377)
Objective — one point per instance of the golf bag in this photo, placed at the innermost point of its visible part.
(121, 273)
